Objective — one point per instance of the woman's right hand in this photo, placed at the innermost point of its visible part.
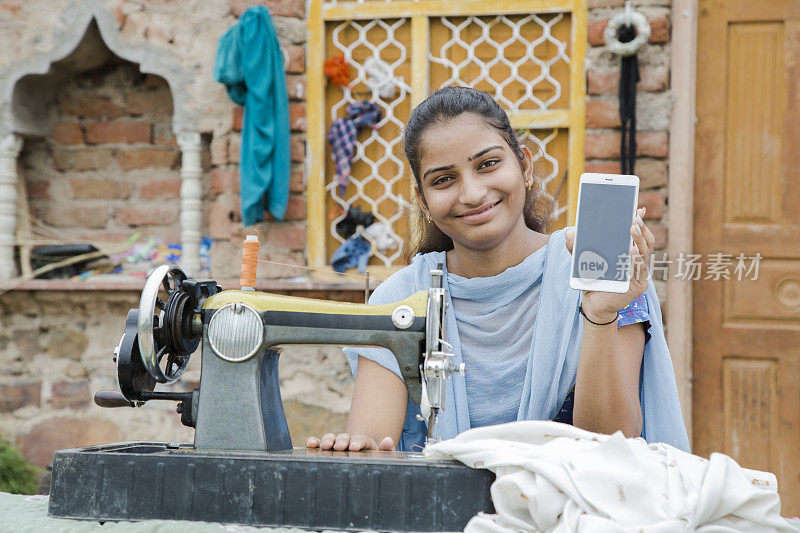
(353, 443)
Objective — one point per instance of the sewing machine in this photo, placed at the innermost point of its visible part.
(241, 467)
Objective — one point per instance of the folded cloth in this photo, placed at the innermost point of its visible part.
(250, 64)
(556, 478)
(353, 252)
(342, 136)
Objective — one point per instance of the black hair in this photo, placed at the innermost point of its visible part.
(446, 104)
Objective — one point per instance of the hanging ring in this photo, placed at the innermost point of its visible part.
(639, 23)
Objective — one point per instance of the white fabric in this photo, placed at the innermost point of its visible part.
(556, 478)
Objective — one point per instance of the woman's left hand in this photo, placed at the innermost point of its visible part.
(603, 306)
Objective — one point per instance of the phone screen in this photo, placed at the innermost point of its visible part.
(604, 221)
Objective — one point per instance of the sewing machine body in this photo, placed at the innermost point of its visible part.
(240, 405)
(241, 467)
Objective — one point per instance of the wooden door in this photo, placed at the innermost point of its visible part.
(746, 356)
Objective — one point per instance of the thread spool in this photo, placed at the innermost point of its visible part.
(249, 262)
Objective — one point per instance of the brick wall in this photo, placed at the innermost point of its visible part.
(111, 164)
(602, 149)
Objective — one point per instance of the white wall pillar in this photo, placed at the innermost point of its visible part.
(191, 201)
(10, 146)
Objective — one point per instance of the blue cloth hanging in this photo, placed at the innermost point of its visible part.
(353, 252)
(250, 64)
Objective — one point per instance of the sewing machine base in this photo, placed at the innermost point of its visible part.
(309, 489)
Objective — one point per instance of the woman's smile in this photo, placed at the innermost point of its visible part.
(480, 214)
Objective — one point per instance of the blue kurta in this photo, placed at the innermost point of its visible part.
(552, 344)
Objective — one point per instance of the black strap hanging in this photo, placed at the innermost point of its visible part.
(629, 77)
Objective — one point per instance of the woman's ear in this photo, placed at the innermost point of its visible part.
(527, 158)
(421, 201)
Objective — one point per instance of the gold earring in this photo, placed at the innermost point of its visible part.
(530, 185)
(429, 219)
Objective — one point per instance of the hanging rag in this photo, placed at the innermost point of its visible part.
(381, 235)
(354, 218)
(337, 71)
(354, 252)
(553, 477)
(629, 77)
(552, 357)
(343, 133)
(250, 64)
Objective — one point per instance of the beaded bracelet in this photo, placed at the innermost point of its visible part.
(580, 308)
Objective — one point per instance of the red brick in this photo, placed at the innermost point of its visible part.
(44, 438)
(163, 136)
(297, 59)
(14, 396)
(234, 148)
(295, 209)
(297, 117)
(595, 31)
(653, 79)
(90, 107)
(606, 81)
(118, 132)
(297, 148)
(88, 216)
(654, 201)
(652, 173)
(224, 180)
(602, 145)
(100, 188)
(70, 394)
(297, 179)
(168, 188)
(296, 86)
(283, 8)
(147, 158)
(220, 217)
(652, 143)
(156, 215)
(67, 133)
(150, 102)
(13, 8)
(37, 189)
(603, 167)
(291, 236)
(84, 159)
(660, 234)
(602, 114)
(219, 151)
(660, 28)
(237, 118)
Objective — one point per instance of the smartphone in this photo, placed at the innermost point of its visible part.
(601, 259)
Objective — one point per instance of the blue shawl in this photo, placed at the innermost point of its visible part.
(250, 64)
(553, 358)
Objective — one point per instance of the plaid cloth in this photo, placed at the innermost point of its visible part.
(343, 133)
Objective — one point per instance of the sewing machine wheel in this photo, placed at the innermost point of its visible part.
(164, 338)
(132, 377)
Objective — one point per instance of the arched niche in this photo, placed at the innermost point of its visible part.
(86, 33)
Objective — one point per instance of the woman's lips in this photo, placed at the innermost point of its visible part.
(483, 215)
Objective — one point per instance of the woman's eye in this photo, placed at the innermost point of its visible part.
(489, 163)
(440, 180)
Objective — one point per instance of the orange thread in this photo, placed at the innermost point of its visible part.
(249, 261)
(337, 71)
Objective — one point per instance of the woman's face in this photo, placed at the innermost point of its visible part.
(472, 182)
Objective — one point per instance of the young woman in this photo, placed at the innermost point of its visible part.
(514, 320)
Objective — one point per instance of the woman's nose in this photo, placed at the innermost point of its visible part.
(473, 191)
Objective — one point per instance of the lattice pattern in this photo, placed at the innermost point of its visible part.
(519, 59)
(378, 164)
(546, 160)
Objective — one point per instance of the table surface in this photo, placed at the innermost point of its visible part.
(28, 514)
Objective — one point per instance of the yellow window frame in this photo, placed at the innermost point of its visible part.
(420, 12)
